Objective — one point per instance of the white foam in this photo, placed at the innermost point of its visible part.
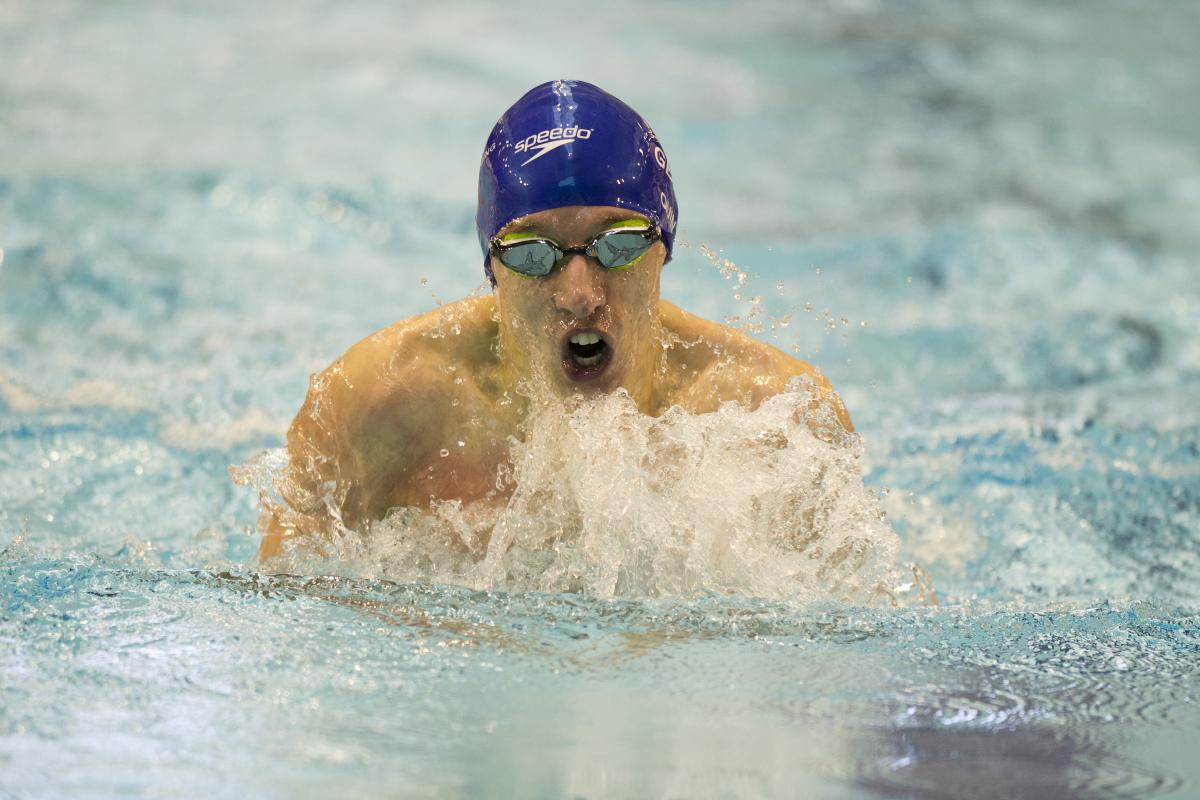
(611, 502)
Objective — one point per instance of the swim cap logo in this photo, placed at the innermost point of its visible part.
(668, 212)
(550, 139)
(660, 158)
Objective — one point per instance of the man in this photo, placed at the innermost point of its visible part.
(577, 216)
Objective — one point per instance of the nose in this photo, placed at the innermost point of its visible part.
(579, 290)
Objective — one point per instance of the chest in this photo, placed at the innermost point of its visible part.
(461, 454)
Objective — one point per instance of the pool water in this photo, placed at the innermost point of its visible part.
(978, 219)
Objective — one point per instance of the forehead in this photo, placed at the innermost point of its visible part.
(570, 221)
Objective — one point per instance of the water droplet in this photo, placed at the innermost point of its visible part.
(316, 203)
(335, 212)
(378, 232)
(461, 443)
(443, 452)
(221, 196)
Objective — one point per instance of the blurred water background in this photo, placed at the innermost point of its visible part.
(981, 220)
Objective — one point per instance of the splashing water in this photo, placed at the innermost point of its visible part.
(611, 502)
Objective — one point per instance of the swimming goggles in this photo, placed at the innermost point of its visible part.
(615, 249)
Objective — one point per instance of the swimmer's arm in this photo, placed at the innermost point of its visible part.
(765, 372)
(787, 368)
(734, 366)
(316, 466)
(365, 423)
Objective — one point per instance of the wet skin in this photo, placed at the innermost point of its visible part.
(423, 410)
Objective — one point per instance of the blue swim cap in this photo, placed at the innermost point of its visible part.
(569, 143)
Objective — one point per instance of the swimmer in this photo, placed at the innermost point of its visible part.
(576, 219)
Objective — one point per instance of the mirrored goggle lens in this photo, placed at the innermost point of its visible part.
(621, 248)
(529, 258)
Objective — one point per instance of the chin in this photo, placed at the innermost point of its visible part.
(567, 382)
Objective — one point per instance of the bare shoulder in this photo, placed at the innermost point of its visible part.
(381, 369)
(411, 360)
(371, 414)
(717, 364)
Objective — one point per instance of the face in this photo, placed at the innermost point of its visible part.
(582, 328)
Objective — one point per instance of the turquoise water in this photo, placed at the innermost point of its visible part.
(990, 208)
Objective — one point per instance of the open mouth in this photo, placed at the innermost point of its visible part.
(586, 354)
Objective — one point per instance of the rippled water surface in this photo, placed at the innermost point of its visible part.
(979, 219)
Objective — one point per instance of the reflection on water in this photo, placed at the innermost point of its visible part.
(413, 684)
(1027, 762)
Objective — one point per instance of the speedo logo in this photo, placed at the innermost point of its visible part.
(545, 141)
